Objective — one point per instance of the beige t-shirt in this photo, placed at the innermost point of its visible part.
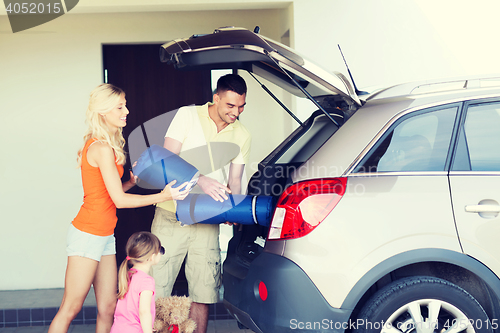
(208, 151)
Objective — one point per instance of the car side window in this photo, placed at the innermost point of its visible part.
(479, 142)
(415, 143)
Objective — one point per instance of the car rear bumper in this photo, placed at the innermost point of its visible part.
(293, 302)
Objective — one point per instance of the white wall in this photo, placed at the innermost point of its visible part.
(387, 42)
(393, 41)
(46, 75)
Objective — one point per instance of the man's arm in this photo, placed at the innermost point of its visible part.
(173, 145)
(234, 181)
(235, 175)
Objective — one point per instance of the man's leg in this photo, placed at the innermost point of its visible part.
(199, 313)
(173, 238)
(203, 272)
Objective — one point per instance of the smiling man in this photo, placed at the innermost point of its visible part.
(214, 126)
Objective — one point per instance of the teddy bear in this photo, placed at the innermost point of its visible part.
(172, 315)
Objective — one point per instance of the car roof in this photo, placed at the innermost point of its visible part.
(458, 85)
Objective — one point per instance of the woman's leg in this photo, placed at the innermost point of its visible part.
(105, 287)
(79, 275)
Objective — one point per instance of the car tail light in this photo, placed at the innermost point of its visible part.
(262, 291)
(304, 205)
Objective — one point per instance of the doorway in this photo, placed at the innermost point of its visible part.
(152, 88)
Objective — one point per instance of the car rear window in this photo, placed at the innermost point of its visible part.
(479, 142)
(417, 142)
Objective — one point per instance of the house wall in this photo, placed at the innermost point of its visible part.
(46, 75)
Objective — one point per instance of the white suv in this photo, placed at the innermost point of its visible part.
(387, 217)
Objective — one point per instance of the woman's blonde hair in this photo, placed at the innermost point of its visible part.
(140, 247)
(102, 100)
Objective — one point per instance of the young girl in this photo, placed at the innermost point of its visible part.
(90, 241)
(135, 310)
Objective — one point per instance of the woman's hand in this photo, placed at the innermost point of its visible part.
(134, 180)
(175, 193)
(131, 182)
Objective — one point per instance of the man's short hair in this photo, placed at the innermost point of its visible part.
(231, 82)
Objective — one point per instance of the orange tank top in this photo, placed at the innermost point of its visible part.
(97, 215)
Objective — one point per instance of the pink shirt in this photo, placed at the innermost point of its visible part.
(127, 309)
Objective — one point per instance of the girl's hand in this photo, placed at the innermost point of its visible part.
(174, 193)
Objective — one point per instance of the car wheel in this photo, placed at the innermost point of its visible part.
(422, 304)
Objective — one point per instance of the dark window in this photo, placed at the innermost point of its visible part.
(415, 143)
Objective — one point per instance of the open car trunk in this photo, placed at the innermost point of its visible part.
(332, 93)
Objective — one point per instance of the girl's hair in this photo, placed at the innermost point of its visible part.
(140, 247)
(102, 100)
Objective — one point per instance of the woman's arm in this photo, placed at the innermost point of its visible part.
(145, 311)
(102, 156)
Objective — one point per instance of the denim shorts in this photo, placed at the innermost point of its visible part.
(86, 245)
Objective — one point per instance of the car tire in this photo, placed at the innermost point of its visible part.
(422, 304)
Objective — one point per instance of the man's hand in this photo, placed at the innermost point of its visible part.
(213, 188)
(230, 223)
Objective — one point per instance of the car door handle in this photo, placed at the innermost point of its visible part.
(482, 209)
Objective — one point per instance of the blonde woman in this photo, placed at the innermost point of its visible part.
(90, 241)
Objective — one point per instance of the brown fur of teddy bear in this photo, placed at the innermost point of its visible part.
(172, 313)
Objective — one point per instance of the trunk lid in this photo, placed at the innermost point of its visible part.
(238, 48)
